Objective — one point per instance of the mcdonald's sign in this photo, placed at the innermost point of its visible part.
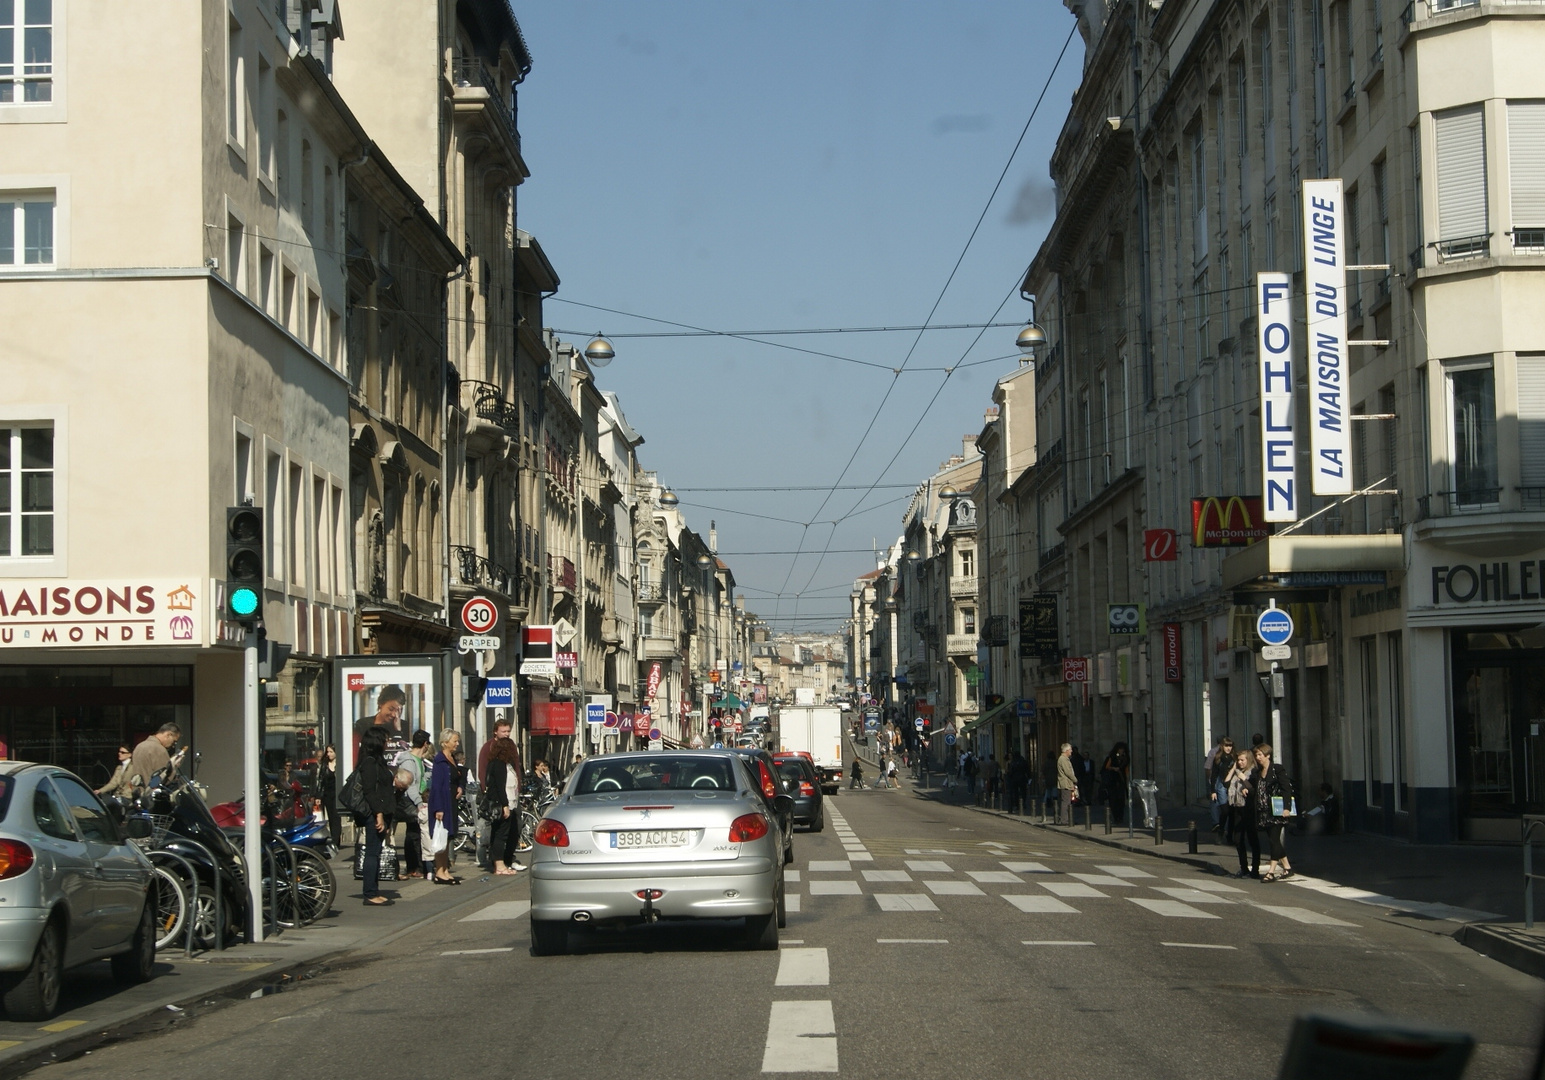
(1227, 521)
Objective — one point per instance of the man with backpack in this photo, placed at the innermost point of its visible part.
(412, 760)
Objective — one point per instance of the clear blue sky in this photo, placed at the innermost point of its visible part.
(783, 165)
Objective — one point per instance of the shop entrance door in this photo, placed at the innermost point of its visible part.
(1499, 722)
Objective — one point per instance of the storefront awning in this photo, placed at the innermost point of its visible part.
(1296, 553)
(1001, 712)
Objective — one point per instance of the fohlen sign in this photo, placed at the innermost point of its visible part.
(1279, 446)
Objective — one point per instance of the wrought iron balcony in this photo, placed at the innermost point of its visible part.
(651, 592)
(1457, 248)
(1532, 497)
(470, 71)
(475, 569)
(1466, 500)
(486, 402)
(1528, 241)
(962, 586)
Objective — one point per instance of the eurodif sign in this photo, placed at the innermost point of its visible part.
(106, 614)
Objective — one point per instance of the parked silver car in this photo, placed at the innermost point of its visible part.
(637, 838)
(73, 889)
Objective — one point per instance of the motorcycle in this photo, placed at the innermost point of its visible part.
(292, 820)
(304, 853)
(182, 824)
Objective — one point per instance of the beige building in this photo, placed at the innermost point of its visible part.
(172, 259)
(1412, 672)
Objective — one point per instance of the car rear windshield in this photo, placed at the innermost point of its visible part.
(7, 785)
(790, 769)
(664, 772)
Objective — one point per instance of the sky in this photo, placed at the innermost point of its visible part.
(789, 166)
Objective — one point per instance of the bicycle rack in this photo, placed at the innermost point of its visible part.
(219, 892)
(187, 948)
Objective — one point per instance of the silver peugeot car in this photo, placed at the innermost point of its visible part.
(72, 888)
(661, 835)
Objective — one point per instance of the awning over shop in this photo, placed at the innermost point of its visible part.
(729, 701)
(1296, 553)
(1001, 712)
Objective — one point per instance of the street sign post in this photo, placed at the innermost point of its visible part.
(499, 693)
(949, 738)
(1276, 652)
(480, 615)
(595, 712)
(918, 723)
(1275, 628)
(478, 643)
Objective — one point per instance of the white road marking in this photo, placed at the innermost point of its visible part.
(803, 967)
(1027, 867)
(1040, 905)
(904, 902)
(1206, 885)
(801, 1037)
(911, 941)
(827, 866)
(1122, 870)
(1076, 889)
(1194, 945)
(504, 909)
(1414, 907)
(1193, 896)
(929, 851)
(993, 877)
(477, 952)
(926, 866)
(1304, 915)
(886, 875)
(794, 941)
(834, 888)
(953, 888)
(1107, 880)
(860, 856)
(791, 903)
(1056, 943)
(791, 875)
(1171, 909)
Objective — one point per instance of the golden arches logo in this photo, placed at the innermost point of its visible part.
(1227, 521)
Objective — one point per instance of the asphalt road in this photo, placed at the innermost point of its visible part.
(929, 941)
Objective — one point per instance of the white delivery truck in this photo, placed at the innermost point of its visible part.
(815, 730)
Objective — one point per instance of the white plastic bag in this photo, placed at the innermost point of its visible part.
(439, 838)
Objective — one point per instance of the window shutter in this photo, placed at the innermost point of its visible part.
(1526, 162)
(1531, 420)
(1461, 173)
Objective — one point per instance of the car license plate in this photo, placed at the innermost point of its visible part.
(652, 838)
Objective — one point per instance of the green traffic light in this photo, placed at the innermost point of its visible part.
(244, 602)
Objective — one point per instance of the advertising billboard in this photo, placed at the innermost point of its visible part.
(1227, 521)
(400, 693)
(1274, 354)
(1325, 334)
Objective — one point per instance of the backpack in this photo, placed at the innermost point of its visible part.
(351, 797)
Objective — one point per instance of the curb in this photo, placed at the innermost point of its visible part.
(24, 1057)
(1507, 944)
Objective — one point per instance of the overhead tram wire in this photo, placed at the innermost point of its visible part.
(940, 298)
(781, 333)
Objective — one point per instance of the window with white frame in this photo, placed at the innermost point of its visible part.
(26, 52)
(1526, 174)
(1462, 208)
(26, 491)
(1472, 403)
(967, 563)
(27, 229)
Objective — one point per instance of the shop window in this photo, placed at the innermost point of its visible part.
(26, 491)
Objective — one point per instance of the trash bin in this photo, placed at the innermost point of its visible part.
(1146, 792)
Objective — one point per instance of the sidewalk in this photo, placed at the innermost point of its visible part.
(1471, 892)
(92, 1005)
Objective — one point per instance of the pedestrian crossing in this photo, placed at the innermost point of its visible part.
(929, 874)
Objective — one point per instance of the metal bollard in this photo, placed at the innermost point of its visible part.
(1158, 830)
(1191, 839)
(1107, 821)
(1088, 819)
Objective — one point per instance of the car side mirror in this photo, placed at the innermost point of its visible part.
(784, 804)
(138, 827)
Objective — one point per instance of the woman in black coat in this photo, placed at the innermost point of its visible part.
(327, 791)
(1273, 805)
(501, 795)
(376, 781)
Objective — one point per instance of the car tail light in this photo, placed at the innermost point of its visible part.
(769, 787)
(550, 833)
(806, 788)
(748, 827)
(649, 894)
(16, 858)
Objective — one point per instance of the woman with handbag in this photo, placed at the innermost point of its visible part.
(327, 792)
(1239, 804)
(442, 807)
(379, 792)
(501, 803)
(1274, 805)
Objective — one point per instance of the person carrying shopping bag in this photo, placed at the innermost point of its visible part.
(1274, 806)
(442, 807)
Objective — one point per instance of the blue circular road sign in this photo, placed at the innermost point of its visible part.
(949, 740)
(1274, 626)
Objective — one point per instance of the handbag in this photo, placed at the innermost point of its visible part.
(439, 838)
(388, 870)
(351, 798)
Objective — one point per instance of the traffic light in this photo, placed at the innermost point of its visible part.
(244, 565)
(994, 700)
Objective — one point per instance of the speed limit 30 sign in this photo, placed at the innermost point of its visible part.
(479, 615)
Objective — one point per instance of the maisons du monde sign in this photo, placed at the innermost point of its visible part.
(106, 614)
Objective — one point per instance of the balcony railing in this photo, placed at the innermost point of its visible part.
(1532, 497)
(475, 569)
(1528, 241)
(1051, 455)
(651, 592)
(563, 573)
(1463, 247)
(963, 586)
(470, 71)
(1053, 553)
(960, 644)
(1469, 500)
(486, 402)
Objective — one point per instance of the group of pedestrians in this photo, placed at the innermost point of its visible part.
(1251, 795)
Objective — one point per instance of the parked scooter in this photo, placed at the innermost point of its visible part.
(182, 824)
(293, 822)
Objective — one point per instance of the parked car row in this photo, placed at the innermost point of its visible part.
(695, 836)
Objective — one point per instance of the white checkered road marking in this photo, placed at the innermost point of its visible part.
(1303, 915)
(1028, 868)
(801, 1037)
(827, 866)
(953, 888)
(904, 902)
(803, 967)
(835, 888)
(929, 866)
(1193, 896)
(1171, 909)
(1122, 870)
(504, 909)
(886, 875)
(1040, 905)
(1076, 890)
(993, 877)
(1106, 880)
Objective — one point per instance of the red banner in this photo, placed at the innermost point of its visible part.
(653, 686)
(552, 718)
(1075, 669)
(1228, 521)
(641, 724)
(1160, 545)
(1172, 652)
